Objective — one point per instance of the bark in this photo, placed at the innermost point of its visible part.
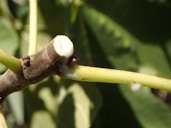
(34, 69)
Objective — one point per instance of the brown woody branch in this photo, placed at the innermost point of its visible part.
(34, 68)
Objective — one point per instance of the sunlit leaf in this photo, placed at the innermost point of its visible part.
(78, 105)
(17, 106)
(8, 38)
(107, 32)
(159, 62)
(150, 111)
(42, 119)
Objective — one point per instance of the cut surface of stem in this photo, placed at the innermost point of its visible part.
(63, 46)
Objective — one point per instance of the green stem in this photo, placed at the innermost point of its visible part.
(33, 27)
(9, 61)
(93, 74)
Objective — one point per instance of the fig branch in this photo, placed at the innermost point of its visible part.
(57, 59)
(34, 68)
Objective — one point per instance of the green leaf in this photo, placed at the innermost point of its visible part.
(17, 107)
(150, 111)
(42, 119)
(124, 51)
(54, 18)
(78, 106)
(8, 38)
(116, 42)
(167, 49)
(42, 40)
(147, 20)
(159, 62)
(42, 97)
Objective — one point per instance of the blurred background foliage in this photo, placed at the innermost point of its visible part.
(132, 35)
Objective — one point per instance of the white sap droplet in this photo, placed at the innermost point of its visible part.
(135, 87)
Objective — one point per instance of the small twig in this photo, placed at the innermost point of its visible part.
(93, 74)
(33, 27)
(55, 59)
(10, 61)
